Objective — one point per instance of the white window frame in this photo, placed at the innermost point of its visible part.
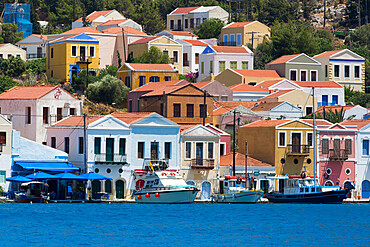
(92, 46)
(359, 71)
(344, 72)
(317, 75)
(213, 153)
(79, 51)
(300, 74)
(362, 147)
(296, 71)
(285, 139)
(76, 50)
(313, 136)
(18, 55)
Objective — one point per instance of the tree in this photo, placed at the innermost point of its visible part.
(154, 55)
(109, 70)
(356, 97)
(108, 90)
(7, 83)
(351, 13)
(37, 66)
(14, 66)
(9, 33)
(147, 14)
(210, 28)
(331, 116)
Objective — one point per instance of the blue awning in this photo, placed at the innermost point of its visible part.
(48, 166)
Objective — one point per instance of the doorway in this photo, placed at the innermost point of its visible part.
(120, 189)
(96, 187)
(199, 153)
(154, 150)
(365, 189)
(296, 142)
(206, 191)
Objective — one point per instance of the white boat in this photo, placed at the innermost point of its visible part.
(160, 186)
(233, 190)
(36, 192)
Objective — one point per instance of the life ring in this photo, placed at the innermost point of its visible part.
(164, 174)
(303, 174)
(326, 176)
(238, 181)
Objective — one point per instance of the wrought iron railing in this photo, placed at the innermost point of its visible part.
(202, 163)
(338, 154)
(110, 158)
(298, 149)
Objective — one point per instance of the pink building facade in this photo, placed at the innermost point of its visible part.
(225, 139)
(336, 154)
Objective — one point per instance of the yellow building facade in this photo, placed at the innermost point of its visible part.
(69, 56)
(286, 144)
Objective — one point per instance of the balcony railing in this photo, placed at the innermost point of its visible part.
(35, 55)
(338, 154)
(111, 158)
(202, 163)
(176, 28)
(326, 104)
(298, 149)
(230, 43)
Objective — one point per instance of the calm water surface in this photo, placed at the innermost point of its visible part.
(184, 225)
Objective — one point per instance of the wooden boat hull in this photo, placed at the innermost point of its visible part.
(26, 199)
(249, 196)
(176, 196)
(330, 197)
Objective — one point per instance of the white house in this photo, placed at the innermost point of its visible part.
(191, 50)
(177, 35)
(362, 145)
(5, 151)
(34, 45)
(343, 66)
(276, 110)
(32, 109)
(99, 17)
(356, 112)
(9, 50)
(245, 92)
(120, 23)
(117, 145)
(215, 59)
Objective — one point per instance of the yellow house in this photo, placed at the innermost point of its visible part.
(167, 45)
(243, 33)
(230, 77)
(135, 75)
(286, 144)
(68, 56)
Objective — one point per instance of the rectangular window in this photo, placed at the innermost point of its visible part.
(198, 22)
(188, 150)
(66, 145)
(202, 67)
(336, 70)
(233, 64)
(325, 146)
(303, 75)
(141, 81)
(313, 75)
(186, 23)
(28, 115)
(293, 75)
(83, 53)
(175, 56)
(282, 139)
(232, 39)
(238, 39)
(190, 110)
(172, 24)
(167, 78)
(365, 147)
(53, 142)
(3, 138)
(222, 148)
(140, 150)
(334, 100)
(80, 145)
(59, 114)
(1, 55)
(325, 100)
(122, 146)
(244, 64)
(226, 37)
(196, 58)
(308, 110)
(326, 70)
(2, 177)
(210, 150)
(92, 51)
(97, 145)
(346, 71)
(309, 139)
(52, 53)
(176, 110)
(127, 81)
(210, 66)
(221, 66)
(167, 150)
(357, 71)
(72, 111)
(74, 51)
(348, 146)
(203, 110)
(45, 115)
(130, 105)
(192, 23)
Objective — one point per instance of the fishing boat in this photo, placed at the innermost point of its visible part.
(234, 189)
(35, 192)
(159, 185)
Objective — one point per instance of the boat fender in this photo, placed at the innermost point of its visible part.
(326, 176)
(164, 174)
(303, 174)
(147, 195)
(156, 194)
(139, 197)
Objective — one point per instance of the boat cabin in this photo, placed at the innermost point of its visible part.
(289, 186)
(232, 183)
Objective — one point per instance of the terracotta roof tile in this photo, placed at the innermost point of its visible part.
(238, 24)
(184, 127)
(94, 15)
(277, 94)
(184, 10)
(20, 92)
(43, 37)
(266, 123)
(269, 83)
(195, 42)
(283, 59)
(220, 111)
(327, 53)
(227, 160)
(266, 106)
(358, 123)
(232, 104)
(145, 40)
(149, 66)
(127, 30)
(82, 30)
(77, 121)
(318, 84)
(334, 108)
(181, 33)
(113, 22)
(247, 88)
(131, 117)
(317, 122)
(155, 85)
(166, 90)
(230, 49)
(257, 73)
(202, 84)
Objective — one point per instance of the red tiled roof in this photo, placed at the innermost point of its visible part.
(43, 37)
(266, 106)
(184, 127)
(227, 160)
(77, 121)
(145, 40)
(195, 42)
(127, 30)
(149, 66)
(277, 94)
(181, 33)
(247, 88)
(1, 45)
(238, 24)
(112, 22)
(155, 85)
(334, 108)
(202, 84)
(317, 84)
(359, 123)
(164, 90)
(20, 92)
(257, 73)
(232, 104)
(267, 123)
(230, 49)
(95, 15)
(220, 111)
(269, 83)
(317, 122)
(131, 117)
(82, 30)
(184, 10)
(327, 53)
(283, 59)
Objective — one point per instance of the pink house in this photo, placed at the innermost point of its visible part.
(225, 140)
(336, 154)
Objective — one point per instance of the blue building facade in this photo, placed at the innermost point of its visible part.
(19, 14)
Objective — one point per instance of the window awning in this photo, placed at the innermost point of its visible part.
(48, 166)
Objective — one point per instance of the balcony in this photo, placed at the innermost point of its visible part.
(230, 43)
(111, 158)
(298, 150)
(176, 28)
(155, 164)
(202, 163)
(326, 104)
(338, 154)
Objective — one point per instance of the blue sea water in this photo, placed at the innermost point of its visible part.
(184, 225)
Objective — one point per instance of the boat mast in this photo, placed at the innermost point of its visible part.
(314, 136)
(234, 144)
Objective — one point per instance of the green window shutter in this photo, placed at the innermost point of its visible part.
(80, 145)
(122, 146)
(54, 142)
(221, 66)
(2, 177)
(210, 66)
(233, 64)
(202, 68)
(245, 65)
(66, 145)
(97, 145)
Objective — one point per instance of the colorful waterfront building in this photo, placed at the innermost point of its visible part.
(68, 56)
